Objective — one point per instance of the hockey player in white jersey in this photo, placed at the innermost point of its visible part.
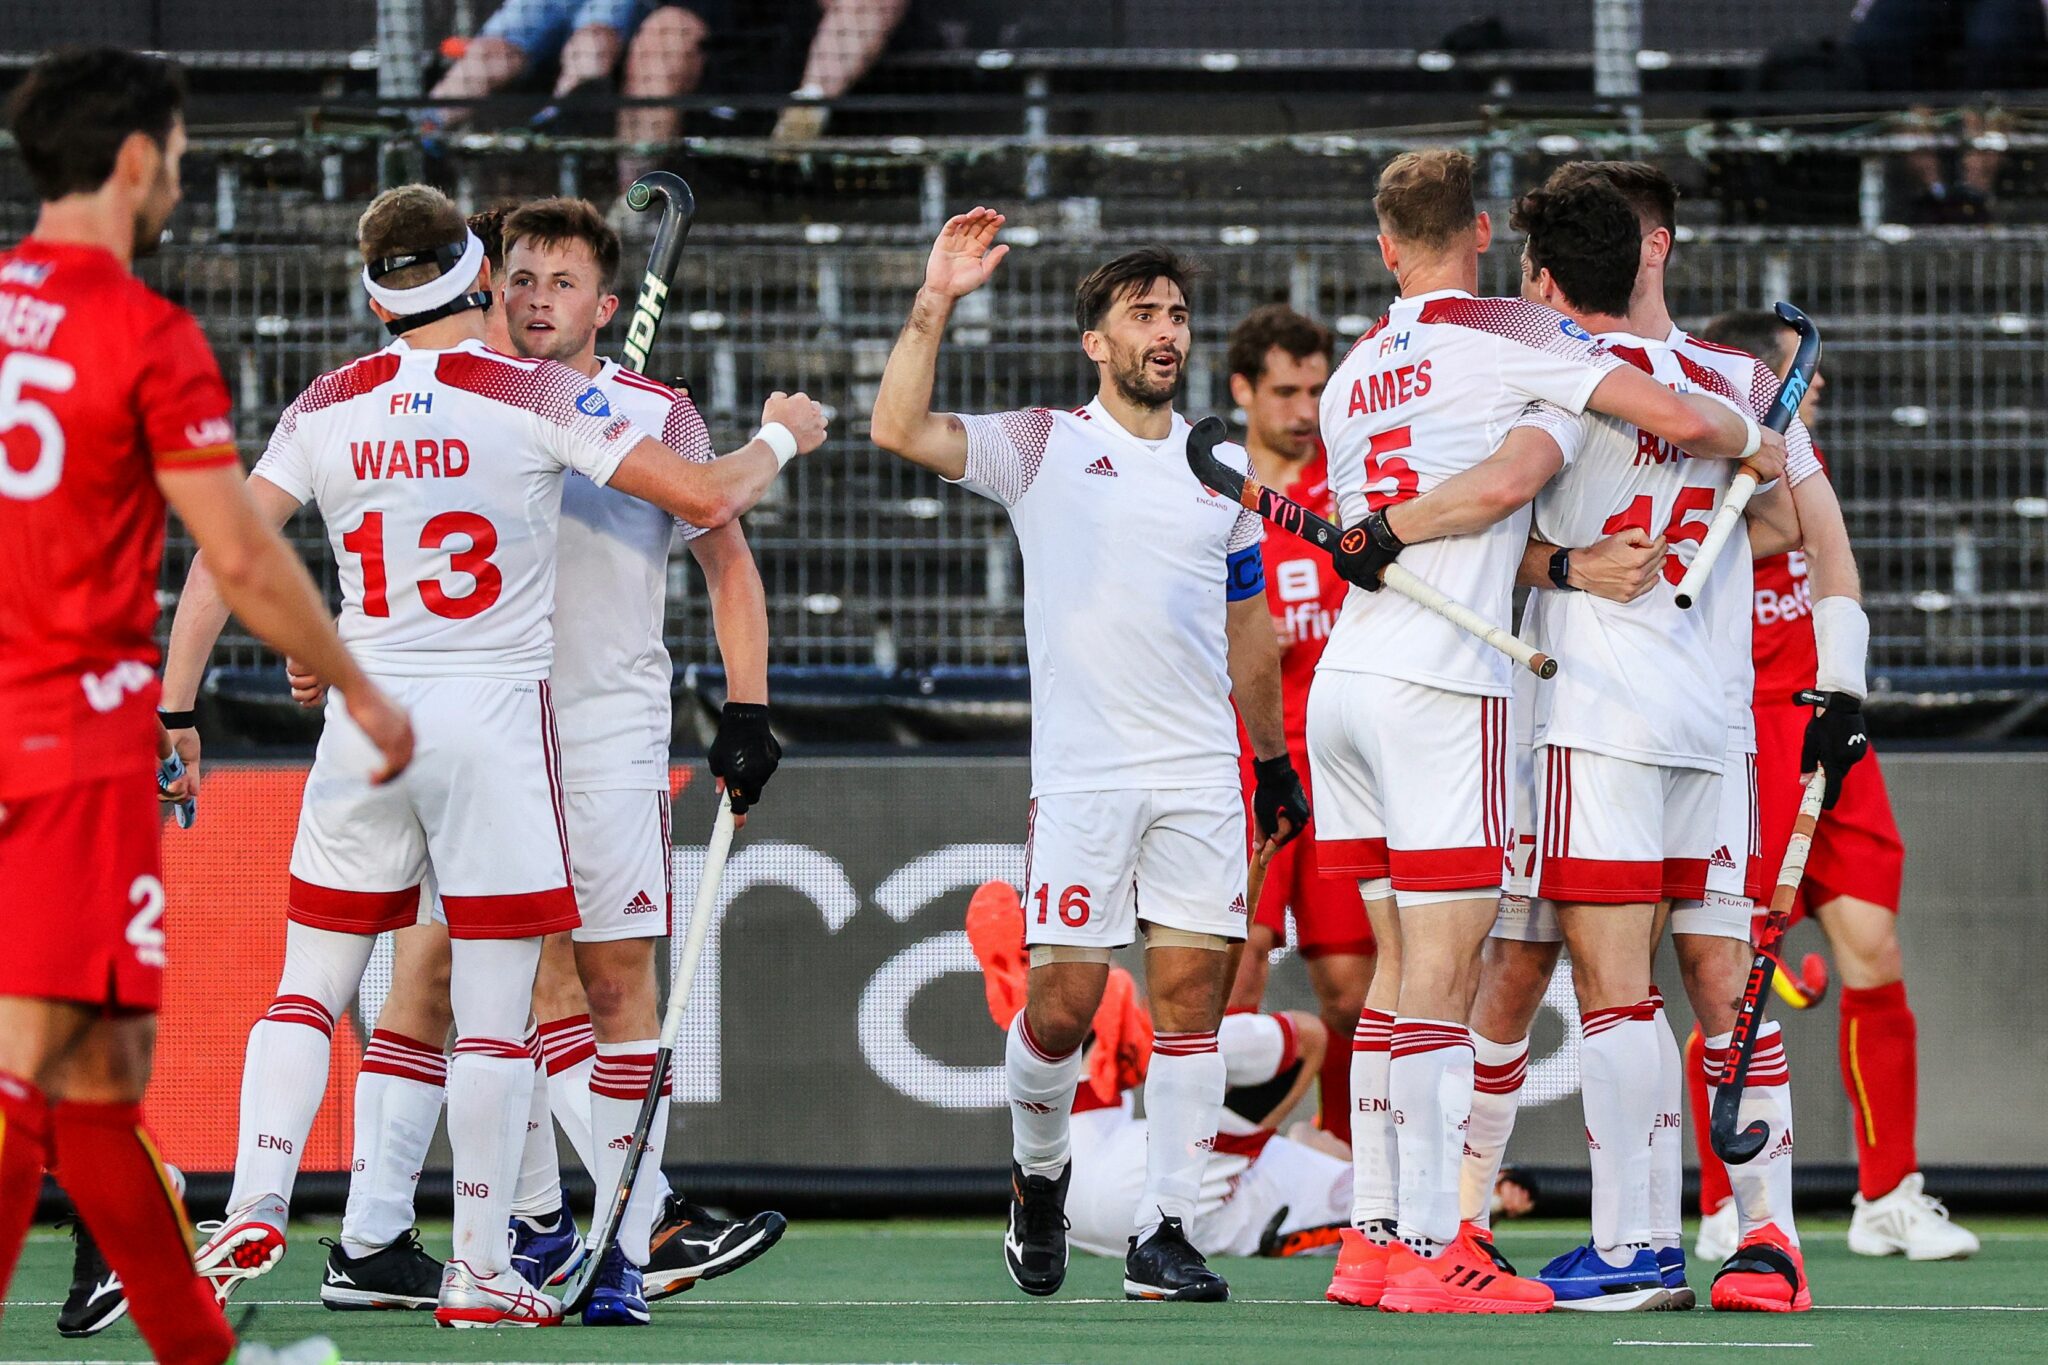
(1144, 610)
(438, 465)
(1408, 718)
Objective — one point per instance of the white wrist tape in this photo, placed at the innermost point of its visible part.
(1841, 635)
(779, 439)
(1754, 435)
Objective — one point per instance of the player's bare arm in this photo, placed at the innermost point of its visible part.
(1280, 806)
(1824, 536)
(739, 616)
(962, 260)
(1772, 521)
(710, 493)
(1488, 492)
(245, 567)
(1697, 423)
(1620, 567)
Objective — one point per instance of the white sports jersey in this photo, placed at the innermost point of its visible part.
(1640, 680)
(1124, 580)
(439, 474)
(1428, 392)
(612, 672)
(1730, 588)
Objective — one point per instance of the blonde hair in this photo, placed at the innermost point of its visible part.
(1425, 197)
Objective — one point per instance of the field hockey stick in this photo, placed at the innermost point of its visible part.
(678, 211)
(1736, 1146)
(167, 772)
(605, 1231)
(1290, 515)
(1784, 408)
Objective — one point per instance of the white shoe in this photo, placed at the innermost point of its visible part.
(246, 1244)
(1908, 1220)
(1720, 1231)
(311, 1351)
(503, 1299)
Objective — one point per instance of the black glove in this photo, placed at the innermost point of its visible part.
(1278, 794)
(1834, 739)
(744, 753)
(1364, 551)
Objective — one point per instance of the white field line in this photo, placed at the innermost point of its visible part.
(1730, 1345)
(1045, 1306)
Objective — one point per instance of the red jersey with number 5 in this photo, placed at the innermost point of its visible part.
(439, 475)
(1431, 390)
(102, 383)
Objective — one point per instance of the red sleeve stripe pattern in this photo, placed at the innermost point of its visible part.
(1531, 324)
(394, 1054)
(1183, 1044)
(683, 431)
(301, 1009)
(1006, 450)
(625, 1075)
(567, 1042)
(1375, 1031)
(338, 386)
(199, 457)
(548, 389)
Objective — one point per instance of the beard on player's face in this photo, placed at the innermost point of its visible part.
(153, 214)
(1147, 376)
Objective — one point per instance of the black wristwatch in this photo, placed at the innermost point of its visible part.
(1560, 570)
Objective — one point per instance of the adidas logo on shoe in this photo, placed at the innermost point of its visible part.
(641, 904)
(1103, 467)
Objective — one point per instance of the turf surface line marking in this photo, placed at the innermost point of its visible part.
(1733, 1345)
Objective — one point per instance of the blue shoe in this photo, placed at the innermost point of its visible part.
(546, 1251)
(1671, 1261)
(1584, 1283)
(616, 1299)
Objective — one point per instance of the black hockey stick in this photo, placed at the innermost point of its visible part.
(1727, 517)
(1290, 515)
(678, 210)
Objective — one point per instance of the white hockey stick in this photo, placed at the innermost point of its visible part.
(605, 1231)
(1464, 618)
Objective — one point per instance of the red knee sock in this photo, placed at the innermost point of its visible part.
(1881, 1071)
(110, 1169)
(1335, 1083)
(24, 1120)
(1714, 1188)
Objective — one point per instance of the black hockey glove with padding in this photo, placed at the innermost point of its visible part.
(1277, 795)
(744, 753)
(1835, 741)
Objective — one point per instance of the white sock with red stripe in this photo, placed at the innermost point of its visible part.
(618, 1087)
(1667, 1136)
(490, 1090)
(284, 1071)
(1762, 1185)
(398, 1104)
(1497, 1072)
(1375, 1160)
(1429, 1088)
(1183, 1100)
(1618, 1083)
(1041, 1089)
(538, 1193)
(569, 1051)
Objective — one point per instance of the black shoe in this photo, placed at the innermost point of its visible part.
(1035, 1243)
(692, 1244)
(1167, 1266)
(95, 1302)
(401, 1275)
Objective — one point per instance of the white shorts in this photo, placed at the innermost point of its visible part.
(619, 858)
(1411, 784)
(481, 805)
(1735, 870)
(1096, 863)
(1610, 831)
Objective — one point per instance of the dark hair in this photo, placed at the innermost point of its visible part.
(489, 227)
(75, 108)
(404, 220)
(1270, 325)
(1753, 330)
(1127, 275)
(1586, 235)
(553, 222)
(1425, 197)
(1651, 193)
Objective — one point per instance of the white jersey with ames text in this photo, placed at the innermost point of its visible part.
(1641, 681)
(439, 475)
(1428, 392)
(612, 673)
(1124, 597)
(1727, 596)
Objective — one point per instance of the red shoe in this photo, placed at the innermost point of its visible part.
(1361, 1272)
(1765, 1275)
(239, 1249)
(1464, 1279)
(1483, 1239)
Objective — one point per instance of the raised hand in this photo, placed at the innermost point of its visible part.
(801, 413)
(966, 253)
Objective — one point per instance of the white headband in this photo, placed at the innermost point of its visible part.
(444, 288)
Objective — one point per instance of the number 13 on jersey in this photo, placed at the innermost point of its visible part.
(475, 540)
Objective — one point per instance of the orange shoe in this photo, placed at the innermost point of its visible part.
(995, 930)
(1464, 1279)
(1483, 1239)
(1765, 1275)
(1361, 1272)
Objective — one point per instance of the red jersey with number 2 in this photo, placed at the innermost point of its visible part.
(102, 383)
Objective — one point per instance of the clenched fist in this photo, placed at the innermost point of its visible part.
(801, 413)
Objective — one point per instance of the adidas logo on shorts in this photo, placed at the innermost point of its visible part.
(1103, 467)
(1722, 858)
(641, 904)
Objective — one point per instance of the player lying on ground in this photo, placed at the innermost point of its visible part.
(438, 466)
(1144, 606)
(1853, 878)
(115, 408)
(1262, 1194)
(1710, 933)
(1279, 364)
(1408, 716)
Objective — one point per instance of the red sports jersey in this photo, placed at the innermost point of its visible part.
(1786, 657)
(1304, 592)
(102, 383)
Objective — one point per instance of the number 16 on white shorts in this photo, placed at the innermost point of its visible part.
(1096, 863)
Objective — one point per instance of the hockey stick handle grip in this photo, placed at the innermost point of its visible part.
(650, 305)
(1471, 622)
(1727, 520)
